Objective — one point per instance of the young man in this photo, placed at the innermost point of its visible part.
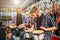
(19, 20)
(43, 22)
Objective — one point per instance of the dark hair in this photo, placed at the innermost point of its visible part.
(53, 10)
(33, 10)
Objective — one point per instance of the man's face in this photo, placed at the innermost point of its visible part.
(34, 15)
(47, 12)
(19, 11)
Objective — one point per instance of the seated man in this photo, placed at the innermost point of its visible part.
(19, 20)
(43, 22)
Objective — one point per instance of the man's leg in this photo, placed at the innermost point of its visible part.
(22, 35)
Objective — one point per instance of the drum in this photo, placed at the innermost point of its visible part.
(13, 28)
(39, 34)
(28, 33)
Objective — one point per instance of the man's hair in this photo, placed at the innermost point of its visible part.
(34, 9)
(18, 8)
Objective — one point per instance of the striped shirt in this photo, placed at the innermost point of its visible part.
(47, 22)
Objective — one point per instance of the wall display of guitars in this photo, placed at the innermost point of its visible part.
(6, 17)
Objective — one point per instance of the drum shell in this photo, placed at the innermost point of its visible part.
(13, 29)
(39, 34)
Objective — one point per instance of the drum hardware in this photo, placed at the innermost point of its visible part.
(16, 29)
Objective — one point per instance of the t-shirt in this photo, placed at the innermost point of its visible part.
(39, 21)
(19, 20)
(47, 22)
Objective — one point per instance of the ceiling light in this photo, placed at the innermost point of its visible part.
(16, 1)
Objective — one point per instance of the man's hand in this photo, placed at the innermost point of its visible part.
(32, 28)
(26, 24)
(13, 24)
(21, 25)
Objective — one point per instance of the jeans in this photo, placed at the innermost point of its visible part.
(12, 38)
(22, 35)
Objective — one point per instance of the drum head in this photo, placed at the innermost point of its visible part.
(37, 31)
(28, 30)
(12, 27)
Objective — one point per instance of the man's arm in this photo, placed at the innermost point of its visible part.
(32, 28)
(25, 19)
(54, 27)
(13, 22)
(48, 29)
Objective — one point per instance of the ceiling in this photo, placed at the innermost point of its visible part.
(13, 3)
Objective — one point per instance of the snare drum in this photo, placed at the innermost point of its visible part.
(39, 34)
